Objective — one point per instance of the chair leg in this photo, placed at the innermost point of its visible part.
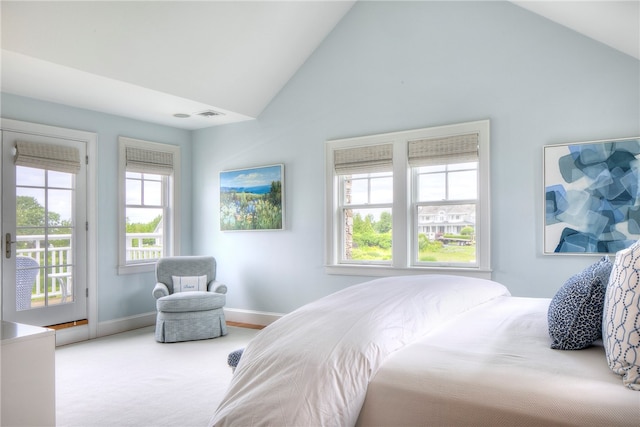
(62, 284)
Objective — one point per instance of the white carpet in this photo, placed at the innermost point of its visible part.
(129, 379)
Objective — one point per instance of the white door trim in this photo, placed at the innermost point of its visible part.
(91, 140)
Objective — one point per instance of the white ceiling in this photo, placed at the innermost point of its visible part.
(612, 22)
(149, 60)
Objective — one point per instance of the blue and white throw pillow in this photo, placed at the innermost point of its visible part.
(189, 283)
(234, 358)
(575, 312)
(621, 318)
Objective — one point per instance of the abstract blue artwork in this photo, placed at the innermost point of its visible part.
(592, 199)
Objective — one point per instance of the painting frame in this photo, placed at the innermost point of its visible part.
(591, 197)
(252, 198)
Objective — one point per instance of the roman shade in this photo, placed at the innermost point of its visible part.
(367, 159)
(149, 161)
(444, 150)
(53, 157)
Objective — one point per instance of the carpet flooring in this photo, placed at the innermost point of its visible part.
(129, 379)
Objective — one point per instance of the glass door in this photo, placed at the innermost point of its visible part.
(44, 229)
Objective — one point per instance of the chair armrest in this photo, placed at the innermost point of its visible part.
(215, 286)
(160, 290)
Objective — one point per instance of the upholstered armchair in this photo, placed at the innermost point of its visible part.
(189, 300)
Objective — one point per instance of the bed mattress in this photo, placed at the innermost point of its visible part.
(493, 365)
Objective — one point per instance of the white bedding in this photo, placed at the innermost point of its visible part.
(493, 366)
(312, 367)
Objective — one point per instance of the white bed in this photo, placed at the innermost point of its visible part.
(422, 350)
(493, 366)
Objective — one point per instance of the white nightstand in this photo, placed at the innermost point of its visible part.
(28, 375)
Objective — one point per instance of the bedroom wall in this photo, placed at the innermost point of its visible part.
(392, 66)
(126, 295)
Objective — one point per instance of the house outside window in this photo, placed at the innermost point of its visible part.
(149, 173)
(409, 202)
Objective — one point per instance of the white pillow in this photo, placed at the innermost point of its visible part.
(620, 320)
(189, 283)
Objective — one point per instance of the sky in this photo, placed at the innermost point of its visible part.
(253, 177)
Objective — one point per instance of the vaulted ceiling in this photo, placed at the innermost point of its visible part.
(149, 60)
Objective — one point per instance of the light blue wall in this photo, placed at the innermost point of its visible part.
(386, 67)
(126, 295)
(391, 66)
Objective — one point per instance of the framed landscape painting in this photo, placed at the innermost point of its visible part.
(592, 196)
(252, 198)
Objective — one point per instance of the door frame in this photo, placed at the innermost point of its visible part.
(89, 331)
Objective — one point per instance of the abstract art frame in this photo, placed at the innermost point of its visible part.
(252, 198)
(591, 196)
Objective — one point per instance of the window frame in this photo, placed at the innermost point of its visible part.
(171, 209)
(404, 206)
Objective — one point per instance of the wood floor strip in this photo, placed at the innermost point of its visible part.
(69, 324)
(245, 325)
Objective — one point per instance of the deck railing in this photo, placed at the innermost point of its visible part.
(140, 246)
(60, 274)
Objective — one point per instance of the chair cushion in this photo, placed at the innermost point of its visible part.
(191, 301)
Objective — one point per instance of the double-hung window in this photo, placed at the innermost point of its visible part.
(409, 202)
(365, 203)
(149, 176)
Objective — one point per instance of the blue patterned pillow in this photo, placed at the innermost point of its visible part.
(234, 358)
(575, 312)
(621, 319)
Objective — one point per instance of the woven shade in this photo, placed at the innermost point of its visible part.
(443, 151)
(369, 159)
(149, 161)
(53, 157)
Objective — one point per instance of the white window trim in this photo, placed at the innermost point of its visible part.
(403, 224)
(173, 247)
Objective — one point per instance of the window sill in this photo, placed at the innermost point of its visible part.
(136, 268)
(385, 271)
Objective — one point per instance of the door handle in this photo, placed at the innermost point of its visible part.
(7, 245)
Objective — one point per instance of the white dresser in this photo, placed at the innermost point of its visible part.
(28, 387)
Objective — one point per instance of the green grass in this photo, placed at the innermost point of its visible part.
(451, 253)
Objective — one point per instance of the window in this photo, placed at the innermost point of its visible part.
(366, 199)
(149, 174)
(412, 201)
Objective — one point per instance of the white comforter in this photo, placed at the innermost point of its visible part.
(312, 367)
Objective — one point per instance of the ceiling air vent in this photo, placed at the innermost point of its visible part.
(209, 113)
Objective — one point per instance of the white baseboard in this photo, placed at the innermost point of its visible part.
(70, 335)
(124, 324)
(81, 333)
(110, 327)
(251, 317)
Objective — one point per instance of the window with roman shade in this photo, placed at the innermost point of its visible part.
(53, 157)
(428, 188)
(366, 196)
(358, 160)
(149, 161)
(445, 199)
(443, 150)
(149, 213)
